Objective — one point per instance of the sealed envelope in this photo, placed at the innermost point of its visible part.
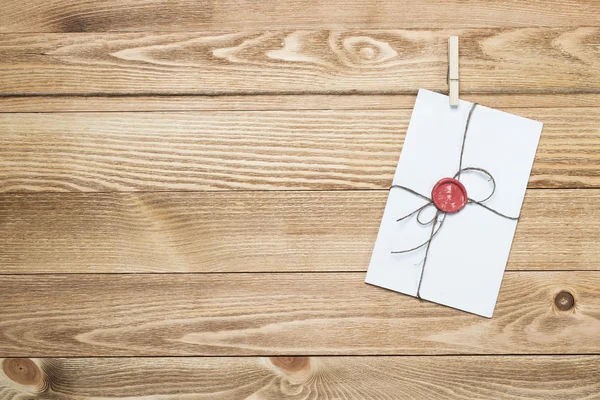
(454, 205)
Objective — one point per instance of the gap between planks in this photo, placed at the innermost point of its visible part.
(156, 103)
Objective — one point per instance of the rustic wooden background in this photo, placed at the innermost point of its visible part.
(191, 191)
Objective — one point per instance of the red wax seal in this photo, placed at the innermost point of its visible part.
(449, 195)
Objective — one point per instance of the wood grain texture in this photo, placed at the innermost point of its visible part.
(255, 232)
(163, 15)
(201, 139)
(283, 314)
(279, 102)
(524, 60)
(254, 150)
(276, 378)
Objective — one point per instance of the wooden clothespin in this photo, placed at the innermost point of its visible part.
(453, 70)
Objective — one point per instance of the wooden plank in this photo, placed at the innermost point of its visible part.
(254, 150)
(282, 314)
(389, 378)
(526, 60)
(178, 15)
(278, 102)
(255, 232)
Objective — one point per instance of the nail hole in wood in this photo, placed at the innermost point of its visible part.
(564, 301)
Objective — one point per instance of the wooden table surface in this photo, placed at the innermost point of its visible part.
(191, 191)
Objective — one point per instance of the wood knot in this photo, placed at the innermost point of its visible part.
(367, 53)
(291, 365)
(564, 301)
(23, 371)
(363, 50)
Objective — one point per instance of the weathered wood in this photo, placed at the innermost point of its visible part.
(375, 378)
(279, 102)
(526, 60)
(178, 15)
(282, 314)
(255, 231)
(264, 150)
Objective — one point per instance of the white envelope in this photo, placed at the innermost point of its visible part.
(468, 255)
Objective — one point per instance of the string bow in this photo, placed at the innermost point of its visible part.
(437, 221)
